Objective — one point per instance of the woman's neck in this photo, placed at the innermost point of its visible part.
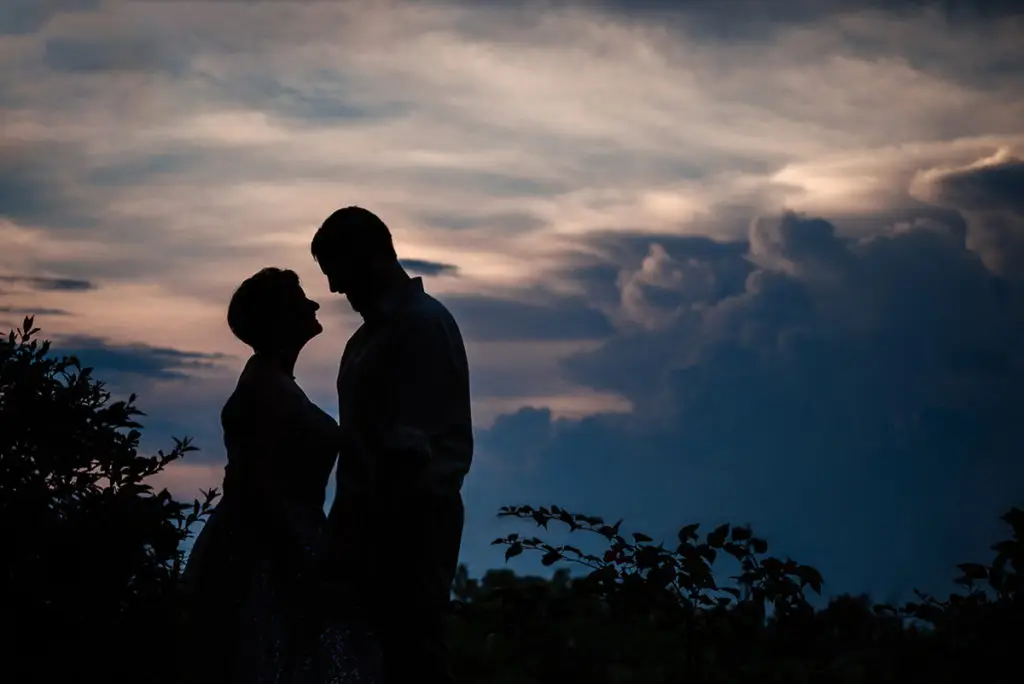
(283, 361)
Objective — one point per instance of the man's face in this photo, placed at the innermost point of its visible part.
(348, 279)
(338, 275)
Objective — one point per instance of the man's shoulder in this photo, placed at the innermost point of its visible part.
(425, 309)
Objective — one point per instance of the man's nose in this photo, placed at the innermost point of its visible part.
(314, 305)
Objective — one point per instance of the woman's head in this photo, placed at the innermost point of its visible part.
(270, 312)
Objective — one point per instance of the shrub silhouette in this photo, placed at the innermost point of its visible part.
(92, 554)
(647, 613)
(92, 559)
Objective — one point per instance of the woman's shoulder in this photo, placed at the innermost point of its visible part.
(262, 388)
(259, 388)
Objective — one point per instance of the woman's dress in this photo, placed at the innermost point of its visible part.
(252, 578)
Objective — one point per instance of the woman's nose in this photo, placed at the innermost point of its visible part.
(314, 305)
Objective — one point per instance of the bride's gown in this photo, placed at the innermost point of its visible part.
(251, 573)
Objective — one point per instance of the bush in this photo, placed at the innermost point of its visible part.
(93, 553)
(651, 613)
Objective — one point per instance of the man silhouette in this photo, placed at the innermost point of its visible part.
(395, 526)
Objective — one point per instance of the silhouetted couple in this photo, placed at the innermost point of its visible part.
(281, 592)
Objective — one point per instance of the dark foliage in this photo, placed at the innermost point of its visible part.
(92, 554)
(656, 613)
(93, 558)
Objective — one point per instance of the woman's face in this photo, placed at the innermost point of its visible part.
(298, 317)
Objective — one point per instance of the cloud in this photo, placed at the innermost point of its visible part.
(993, 183)
(869, 379)
(135, 359)
(28, 16)
(90, 55)
(429, 268)
(45, 284)
(487, 319)
(989, 193)
(34, 311)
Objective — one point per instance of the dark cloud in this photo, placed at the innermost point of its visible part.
(83, 54)
(494, 183)
(48, 284)
(991, 187)
(502, 223)
(31, 187)
(133, 172)
(994, 24)
(29, 16)
(429, 268)
(160, 363)
(611, 256)
(488, 319)
(324, 97)
(855, 400)
(990, 196)
(34, 311)
(738, 17)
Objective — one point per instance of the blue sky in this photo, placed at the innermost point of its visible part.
(713, 261)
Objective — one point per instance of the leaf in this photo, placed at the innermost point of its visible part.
(661, 575)
(551, 557)
(809, 576)
(974, 571)
(513, 551)
(567, 519)
(707, 553)
(758, 546)
(1005, 547)
(640, 537)
(741, 534)
(688, 533)
(735, 550)
(717, 537)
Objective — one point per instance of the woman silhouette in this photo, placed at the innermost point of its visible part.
(254, 567)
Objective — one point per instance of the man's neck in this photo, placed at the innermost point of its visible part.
(387, 291)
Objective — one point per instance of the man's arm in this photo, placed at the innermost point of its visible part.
(420, 377)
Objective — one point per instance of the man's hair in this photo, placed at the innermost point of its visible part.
(257, 304)
(354, 233)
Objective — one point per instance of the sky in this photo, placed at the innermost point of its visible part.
(714, 261)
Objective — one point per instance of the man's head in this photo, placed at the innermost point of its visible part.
(354, 248)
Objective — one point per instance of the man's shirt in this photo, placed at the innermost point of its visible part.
(403, 396)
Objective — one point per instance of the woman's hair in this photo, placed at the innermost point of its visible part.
(257, 304)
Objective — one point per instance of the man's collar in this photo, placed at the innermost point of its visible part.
(389, 303)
